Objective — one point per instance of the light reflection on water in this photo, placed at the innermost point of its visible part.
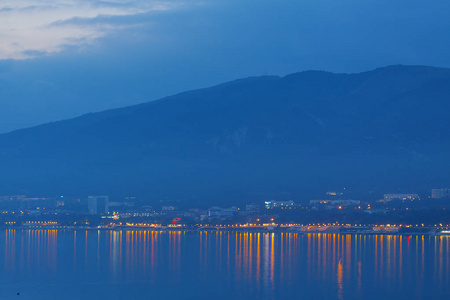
(51, 264)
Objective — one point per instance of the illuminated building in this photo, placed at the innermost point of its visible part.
(411, 197)
(98, 205)
(335, 202)
(278, 204)
(319, 201)
(142, 212)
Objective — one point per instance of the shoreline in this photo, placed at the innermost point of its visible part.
(445, 232)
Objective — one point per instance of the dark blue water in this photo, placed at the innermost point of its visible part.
(50, 264)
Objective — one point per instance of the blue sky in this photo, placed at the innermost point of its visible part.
(63, 58)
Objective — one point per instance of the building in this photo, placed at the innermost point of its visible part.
(98, 205)
(216, 211)
(121, 204)
(136, 213)
(252, 208)
(168, 208)
(410, 197)
(335, 202)
(440, 193)
(13, 198)
(278, 204)
(316, 202)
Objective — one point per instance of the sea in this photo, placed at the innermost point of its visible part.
(144, 264)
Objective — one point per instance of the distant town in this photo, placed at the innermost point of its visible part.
(394, 214)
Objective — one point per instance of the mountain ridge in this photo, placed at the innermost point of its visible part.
(390, 120)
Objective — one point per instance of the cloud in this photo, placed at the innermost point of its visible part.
(30, 28)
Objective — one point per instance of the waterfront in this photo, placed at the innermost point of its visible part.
(137, 264)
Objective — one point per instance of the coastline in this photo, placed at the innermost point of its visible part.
(445, 232)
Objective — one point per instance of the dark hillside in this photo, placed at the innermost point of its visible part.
(297, 137)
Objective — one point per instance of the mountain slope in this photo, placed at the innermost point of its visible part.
(255, 138)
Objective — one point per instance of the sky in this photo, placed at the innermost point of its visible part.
(63, 58)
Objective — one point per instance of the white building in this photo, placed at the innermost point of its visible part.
(440, 193)
(279, 204)
(98, 205)
(216, 211)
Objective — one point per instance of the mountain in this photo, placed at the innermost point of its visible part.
(295, 137)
